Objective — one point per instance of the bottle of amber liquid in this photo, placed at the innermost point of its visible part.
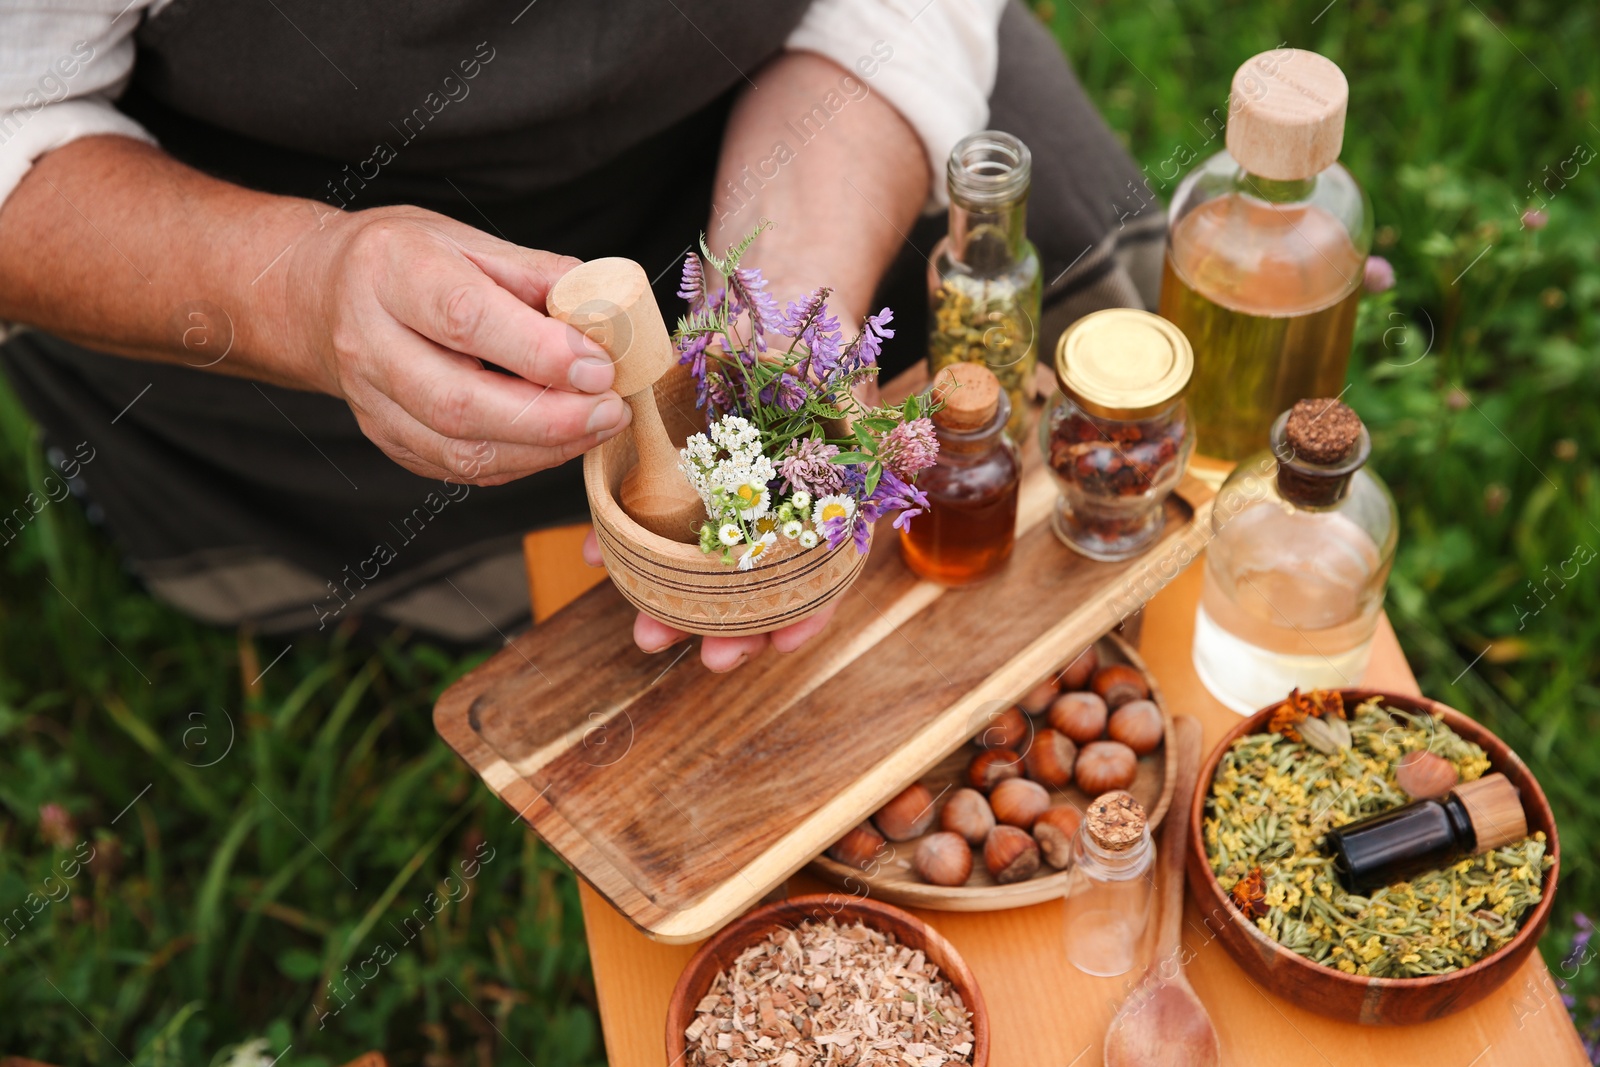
(971, 523)
(1266, 248)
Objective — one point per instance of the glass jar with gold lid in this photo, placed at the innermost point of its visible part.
(1116, 435)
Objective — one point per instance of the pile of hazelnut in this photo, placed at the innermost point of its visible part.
(1006, 810)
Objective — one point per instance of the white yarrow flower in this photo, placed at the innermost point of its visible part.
(791, 530)
(730, 534)
(808, 539)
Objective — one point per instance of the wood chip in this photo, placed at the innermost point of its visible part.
(821, 995)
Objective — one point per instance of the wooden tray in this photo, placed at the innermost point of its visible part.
(895, 882)
(684, 796)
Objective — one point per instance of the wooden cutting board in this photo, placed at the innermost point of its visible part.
(683, 796)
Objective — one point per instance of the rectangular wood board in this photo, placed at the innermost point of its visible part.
(684, 796)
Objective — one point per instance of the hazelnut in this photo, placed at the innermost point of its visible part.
(1010, 854)
(1054, 830)
(1076, 674)
(1104, 766)
(1017, 802)
(1005, 730)
(858, 848)
(994, 766)
(1138, 725)
(967, 813)
(1039, 698)
(1118, 684)
(1048, 760)
(1425, 775)
(908, 815)
(943, 859)
(1081, 716)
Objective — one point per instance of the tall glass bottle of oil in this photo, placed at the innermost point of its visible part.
(1266, 248)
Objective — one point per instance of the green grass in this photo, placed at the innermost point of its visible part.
(219, 904)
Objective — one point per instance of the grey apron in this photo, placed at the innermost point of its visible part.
(587, 128)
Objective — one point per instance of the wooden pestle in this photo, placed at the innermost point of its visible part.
(610, 302)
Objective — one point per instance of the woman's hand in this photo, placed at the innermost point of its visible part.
(402, 310)
(719, 654)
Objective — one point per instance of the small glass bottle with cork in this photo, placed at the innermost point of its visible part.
(1303, 539)
(1116, 435)
(984, 281)
(971, 523)
(1109, 889)
(1266, 249)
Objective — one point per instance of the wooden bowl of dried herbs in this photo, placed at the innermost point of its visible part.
(1405, 953)
(827, 978)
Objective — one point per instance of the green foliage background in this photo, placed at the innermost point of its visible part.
(219, 904)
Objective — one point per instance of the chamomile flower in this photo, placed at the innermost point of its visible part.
(752, 498)
(809, 539)
(766, 524)
(759, 548)
(730, 534)
(801, 500)
(833, 506)
(791, 530)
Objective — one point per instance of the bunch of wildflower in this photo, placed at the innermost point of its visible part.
(773, 405)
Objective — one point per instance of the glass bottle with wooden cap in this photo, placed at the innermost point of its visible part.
(1116, 435)
(1303, 539)
(984, 278)
(1108, 891)
(971, 523)
(1428, 835)
(1267, 244)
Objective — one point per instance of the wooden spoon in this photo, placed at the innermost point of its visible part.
(609, 300)
(1163, 1023)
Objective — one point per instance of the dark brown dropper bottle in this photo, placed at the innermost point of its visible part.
(1391, 847)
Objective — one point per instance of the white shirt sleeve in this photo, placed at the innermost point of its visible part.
(61, 66)
(934, 61)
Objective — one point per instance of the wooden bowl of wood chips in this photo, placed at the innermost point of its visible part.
(922, 1004)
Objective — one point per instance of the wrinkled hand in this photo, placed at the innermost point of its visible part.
(719, 654)
(400, 309)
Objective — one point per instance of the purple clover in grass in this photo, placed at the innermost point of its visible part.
(1378, 275)
(766, 466)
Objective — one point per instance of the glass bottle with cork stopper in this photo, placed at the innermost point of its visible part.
(1267, 244)
(984, 280)
(1109, 888)
(971, 523)
(1116, 435)
(1303, 539)
(1428, 835)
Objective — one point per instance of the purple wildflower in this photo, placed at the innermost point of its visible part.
(693, 286)
(808, 466)
(895, 494)
(837, 530)
(864, 350)
(1379, 275)
(1534, 219)
(909, 447)
(785, 392)
(55, 825)
(809, 323)
(749, 290)
(692, 354)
